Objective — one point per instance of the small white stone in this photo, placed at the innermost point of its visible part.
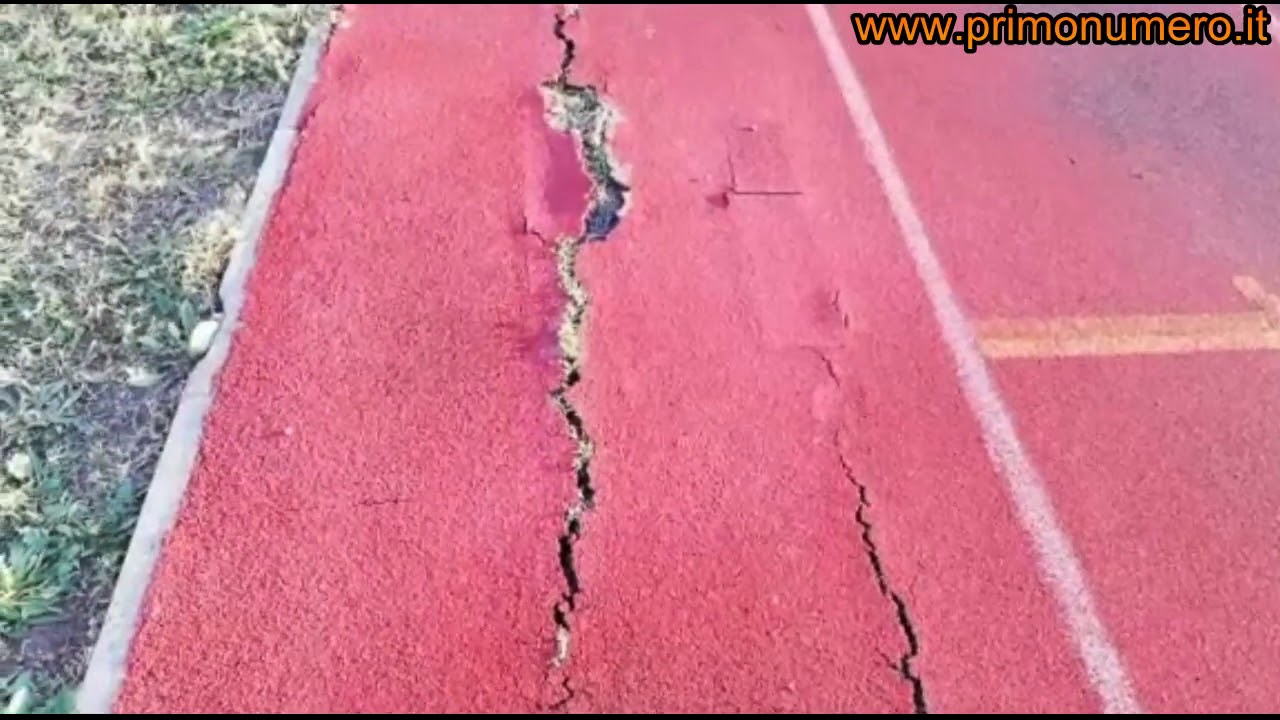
(202, 337)
(141, 377)
(19, 466)
(20, 701)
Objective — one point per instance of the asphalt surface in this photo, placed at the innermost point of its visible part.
(800, 502)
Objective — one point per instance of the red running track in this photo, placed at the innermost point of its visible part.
(373, 525)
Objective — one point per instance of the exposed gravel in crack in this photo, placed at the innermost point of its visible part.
(578, 111)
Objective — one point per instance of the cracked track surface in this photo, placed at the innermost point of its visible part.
(904, 665)
(381, 499)
(727, 569)
(578, 111)
(378, 519)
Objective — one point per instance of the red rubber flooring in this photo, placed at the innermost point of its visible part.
(795, 510)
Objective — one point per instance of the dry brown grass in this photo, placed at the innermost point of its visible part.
(129, 137)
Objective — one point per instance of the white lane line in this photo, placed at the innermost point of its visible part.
(1058, 561)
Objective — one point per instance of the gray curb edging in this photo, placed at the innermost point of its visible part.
(108, 662)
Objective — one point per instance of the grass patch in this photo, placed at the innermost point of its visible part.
(131, 135)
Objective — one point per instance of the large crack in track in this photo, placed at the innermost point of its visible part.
(578, 110)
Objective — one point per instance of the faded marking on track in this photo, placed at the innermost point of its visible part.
(1160, 334)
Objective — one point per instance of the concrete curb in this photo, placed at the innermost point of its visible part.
(108, 662)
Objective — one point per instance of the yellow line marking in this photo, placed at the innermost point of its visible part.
(1138, 334)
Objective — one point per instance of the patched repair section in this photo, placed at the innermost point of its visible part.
(758, 162)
